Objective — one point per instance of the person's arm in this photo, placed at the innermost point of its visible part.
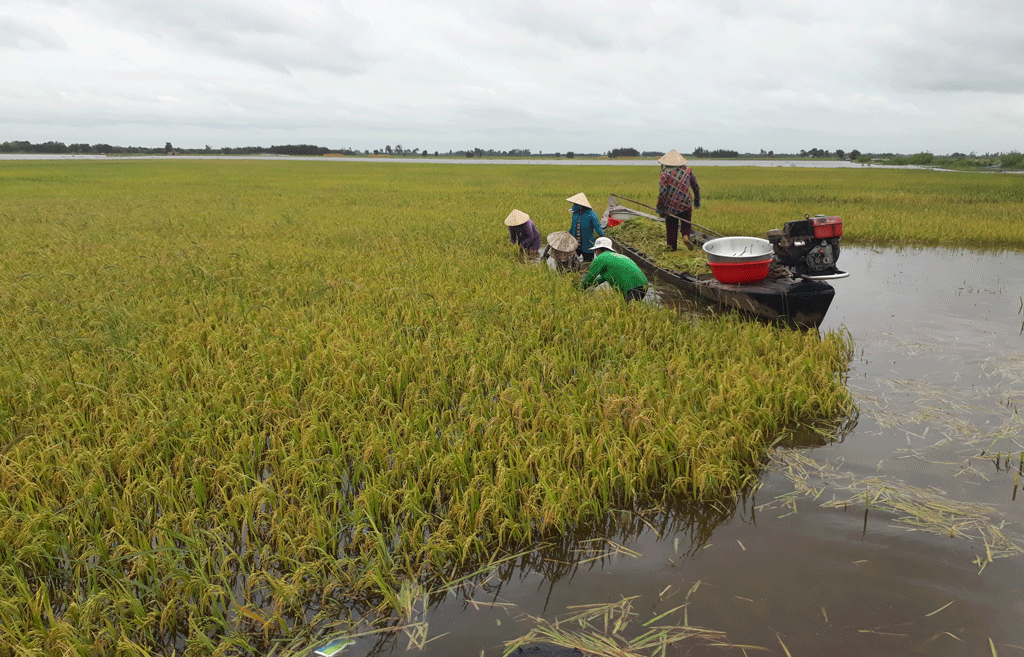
(597, 223)
(696, 190)
(512, 234)
(594, 275)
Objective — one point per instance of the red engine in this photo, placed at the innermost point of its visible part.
(826, 227)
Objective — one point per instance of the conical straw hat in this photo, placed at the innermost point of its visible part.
(516, 218)
(562, 241)
(580, 199)
(672, 159)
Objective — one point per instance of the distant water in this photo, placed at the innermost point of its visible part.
(826, 164)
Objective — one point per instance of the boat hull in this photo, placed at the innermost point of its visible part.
(796, 302)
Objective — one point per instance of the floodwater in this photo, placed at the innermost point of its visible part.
(937, 375)
(648, 162)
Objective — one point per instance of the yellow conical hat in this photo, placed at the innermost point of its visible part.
(672, 159)
(562, 241)
(580, 199)
(516, 218)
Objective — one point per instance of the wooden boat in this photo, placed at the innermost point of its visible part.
(794, 301)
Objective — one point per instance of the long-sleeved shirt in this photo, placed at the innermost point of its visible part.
(618, 270)
(674, 188)
(525, 235)
(584, 224)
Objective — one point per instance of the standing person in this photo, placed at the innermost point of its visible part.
(522, 232)
(675, 200)
(584, 224)
(617, 270)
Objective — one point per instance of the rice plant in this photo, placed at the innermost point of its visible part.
(244, 402)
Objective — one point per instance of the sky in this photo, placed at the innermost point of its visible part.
(900, 76)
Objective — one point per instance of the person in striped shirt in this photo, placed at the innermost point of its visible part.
(678, 195)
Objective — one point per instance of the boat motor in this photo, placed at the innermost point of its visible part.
(809, 247)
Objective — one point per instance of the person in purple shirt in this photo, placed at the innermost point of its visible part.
(522, 232)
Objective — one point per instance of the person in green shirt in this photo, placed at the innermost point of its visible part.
(617, 270)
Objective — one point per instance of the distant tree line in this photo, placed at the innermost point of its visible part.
(1011, 160)
(515, 152)
(700, 151)
(289, 149)
(58, 147)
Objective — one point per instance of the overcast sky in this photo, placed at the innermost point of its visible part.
(565, 75)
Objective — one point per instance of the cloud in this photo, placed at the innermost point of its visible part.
(24, 35)
(281, 37)
(739, 74)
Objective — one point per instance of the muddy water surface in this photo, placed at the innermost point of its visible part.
(935, 450)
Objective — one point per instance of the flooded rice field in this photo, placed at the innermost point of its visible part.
(902, 537)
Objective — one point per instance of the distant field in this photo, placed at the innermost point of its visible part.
(878, 206)
(243, 402)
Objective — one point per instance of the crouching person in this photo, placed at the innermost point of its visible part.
(617, 270)
(523, 232)
(562, 249)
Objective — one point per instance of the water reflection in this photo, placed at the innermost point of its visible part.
(480, 613)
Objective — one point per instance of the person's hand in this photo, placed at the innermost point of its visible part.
(697, 205)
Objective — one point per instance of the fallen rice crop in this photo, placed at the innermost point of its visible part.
(242, 400)
(648, 237)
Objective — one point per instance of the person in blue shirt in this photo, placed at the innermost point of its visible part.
(584, 224)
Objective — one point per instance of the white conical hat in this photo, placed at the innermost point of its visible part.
(516, 218)
(562, 241)
(580, 199)
(672, 159)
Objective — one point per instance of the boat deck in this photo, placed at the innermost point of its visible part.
(797, 302)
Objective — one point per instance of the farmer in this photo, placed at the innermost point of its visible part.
(617, 270)
(562, 246)
(675, 200)
(522, 232)
(584, 224)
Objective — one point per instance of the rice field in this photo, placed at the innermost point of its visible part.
(878, 206)
(243, 402)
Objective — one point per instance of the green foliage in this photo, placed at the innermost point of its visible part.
(1012, 160)
(700, 151)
